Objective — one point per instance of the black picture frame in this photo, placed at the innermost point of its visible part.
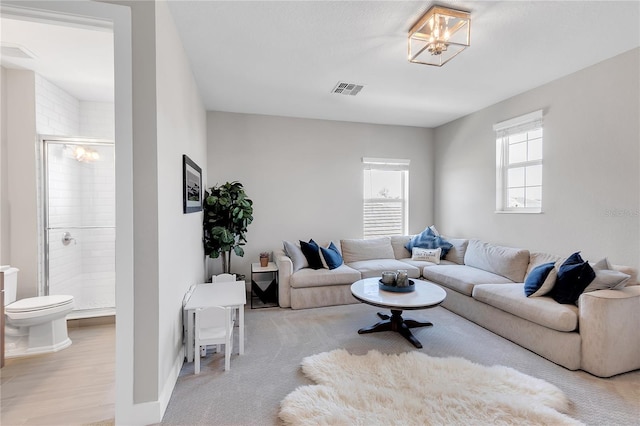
(191, 186)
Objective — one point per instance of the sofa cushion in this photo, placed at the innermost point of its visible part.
(429, 255)
(430, 240)
(543, 311)
(607, 277)
(461, 278)
(632, 272)
(508, 262)
(375, 267)
(424, 236)
(311, 251)
(421, 264)
(574, 275)
(541, 280)
(358, 249)
(538, 258)
(457, 250)
(548, 283)
(294, 252)
(308, 277)
(330, 256)
(398, 242)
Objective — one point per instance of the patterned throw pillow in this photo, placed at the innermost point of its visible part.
(429, 240)
(429, 255)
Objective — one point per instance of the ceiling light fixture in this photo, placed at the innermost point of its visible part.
(439, 35)
(83, 154)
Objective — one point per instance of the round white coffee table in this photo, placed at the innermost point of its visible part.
(426, 295)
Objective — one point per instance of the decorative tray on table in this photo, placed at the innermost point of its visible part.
(396, 289)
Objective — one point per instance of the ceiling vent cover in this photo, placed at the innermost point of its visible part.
(16, 51)
(347, 88)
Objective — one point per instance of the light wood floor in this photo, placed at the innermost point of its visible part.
(75, 386)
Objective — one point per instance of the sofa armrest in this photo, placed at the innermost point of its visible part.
(609, 323)
(285, 269)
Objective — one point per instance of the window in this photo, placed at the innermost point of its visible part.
(519, 164)
(386, 197)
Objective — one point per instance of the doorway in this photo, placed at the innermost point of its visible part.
(118, 17)
(79, 223)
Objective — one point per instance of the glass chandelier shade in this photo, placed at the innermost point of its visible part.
(439, 35)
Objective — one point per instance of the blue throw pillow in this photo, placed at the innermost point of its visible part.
(537, 277)
(574, 275)
(312, 252)
(429, 240)
(420, 238)
(331, 256)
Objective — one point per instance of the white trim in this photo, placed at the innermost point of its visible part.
(523, 211)
(518, 121)
(504, 130)
(397, 164)
(386, 161)
(53, 18)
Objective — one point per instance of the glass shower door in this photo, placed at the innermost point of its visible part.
(80, 223)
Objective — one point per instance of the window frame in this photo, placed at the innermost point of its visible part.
(523, 124)
(387, 164)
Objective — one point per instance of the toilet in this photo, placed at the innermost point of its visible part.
(35, 325)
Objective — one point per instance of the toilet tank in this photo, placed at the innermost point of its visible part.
(10, 283)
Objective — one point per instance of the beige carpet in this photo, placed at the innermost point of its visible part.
(277, 340)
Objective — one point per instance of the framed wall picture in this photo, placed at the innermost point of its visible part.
(191, 186)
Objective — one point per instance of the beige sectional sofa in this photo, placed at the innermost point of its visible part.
(485, 284)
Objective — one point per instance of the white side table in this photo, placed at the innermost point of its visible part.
(264, 285)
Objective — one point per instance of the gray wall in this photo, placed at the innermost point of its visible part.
(4, 175)
(591, 181)
(305, 176)
(169, 120)
(181, 130)
(19, 220)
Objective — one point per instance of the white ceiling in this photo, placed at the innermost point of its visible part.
(79, 60)
(285, 57)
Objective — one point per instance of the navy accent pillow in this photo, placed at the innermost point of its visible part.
(574, 275)
(312, 252)
(331, 256)
(536, 278)
(429, 240)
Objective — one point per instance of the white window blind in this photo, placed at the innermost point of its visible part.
(519, 158)
(385, 201)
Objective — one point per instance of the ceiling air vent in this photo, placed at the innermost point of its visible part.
(16, 51)
(347, 88)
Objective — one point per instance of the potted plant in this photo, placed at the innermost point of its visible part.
(227, 213)
(264, 259)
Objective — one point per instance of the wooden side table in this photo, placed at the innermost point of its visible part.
(264, 285)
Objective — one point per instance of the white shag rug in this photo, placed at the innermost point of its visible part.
(415, 389)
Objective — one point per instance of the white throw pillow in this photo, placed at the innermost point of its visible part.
(607, 277)
(429, 255)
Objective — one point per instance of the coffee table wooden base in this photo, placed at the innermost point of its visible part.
(396, 323)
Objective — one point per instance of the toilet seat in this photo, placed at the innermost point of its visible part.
(32, 307)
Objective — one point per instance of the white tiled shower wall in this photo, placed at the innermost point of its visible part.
(80, 194)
